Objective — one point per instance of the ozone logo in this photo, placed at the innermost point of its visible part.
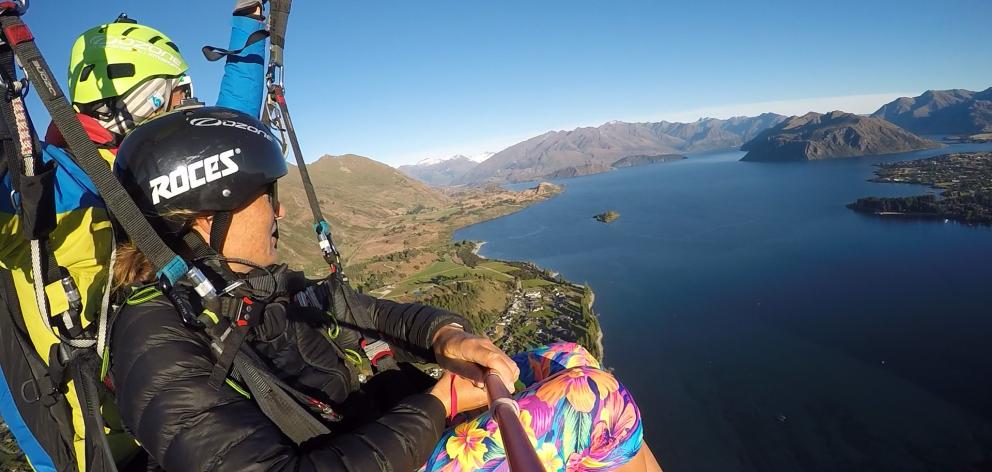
(194, 175)
(131, 45)
(210, 121)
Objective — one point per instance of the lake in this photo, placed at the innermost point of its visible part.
(763, 326)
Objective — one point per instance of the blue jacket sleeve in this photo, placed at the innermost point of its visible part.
(73, 188)
(242, 87)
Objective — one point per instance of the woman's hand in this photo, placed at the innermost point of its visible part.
(453, 347)
(467, 395)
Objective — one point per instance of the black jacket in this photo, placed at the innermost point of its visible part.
(160, 369)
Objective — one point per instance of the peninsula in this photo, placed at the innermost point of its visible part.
(646, 159)
(395, 235)
(964, 179)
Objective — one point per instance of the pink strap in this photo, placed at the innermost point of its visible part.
(454, 399)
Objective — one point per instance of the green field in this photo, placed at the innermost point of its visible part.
(531, 283)
(451, 271)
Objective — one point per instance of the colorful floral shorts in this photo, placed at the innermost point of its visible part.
(577, 415)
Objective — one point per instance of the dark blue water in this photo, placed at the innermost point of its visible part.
(763, 326)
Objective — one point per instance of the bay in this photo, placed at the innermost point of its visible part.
(763, 326)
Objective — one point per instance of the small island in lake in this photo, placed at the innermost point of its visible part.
(608, 216)
(964, 178)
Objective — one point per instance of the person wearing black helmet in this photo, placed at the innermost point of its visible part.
(206, 178)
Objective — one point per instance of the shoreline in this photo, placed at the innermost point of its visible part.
(478, 247)
(599, 336)
(598, 342)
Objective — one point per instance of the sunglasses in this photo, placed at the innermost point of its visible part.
(273, 192)
(182, 91)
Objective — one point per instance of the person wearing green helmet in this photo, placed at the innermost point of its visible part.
(123, 73)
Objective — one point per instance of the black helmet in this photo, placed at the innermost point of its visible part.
(202, 160)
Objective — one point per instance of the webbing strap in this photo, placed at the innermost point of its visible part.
(34, 184)
(331, 256)
(84, 366)
(278, 18)
(218, 230)
(44, 387)
(212, 53)
(278, 92)
(231, 344)
(207, 257)
(87, 156)
(286, 412)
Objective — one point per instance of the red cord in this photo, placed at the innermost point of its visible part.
(454, 399)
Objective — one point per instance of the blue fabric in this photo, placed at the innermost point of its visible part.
(39, 458)
(243, 85)
(6, 206)
(73, 188)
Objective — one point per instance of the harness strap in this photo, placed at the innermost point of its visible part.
(83, 363)
(278, 18)
(231, 340)
(280, 117)
(202, 253)
(278, 405)
(374, 348)
(34, 185)
(239, 317)
(40, 387)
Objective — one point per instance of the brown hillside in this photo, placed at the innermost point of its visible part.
(359, 197)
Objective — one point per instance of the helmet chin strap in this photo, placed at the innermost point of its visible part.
(261, 282)
(275, 234)
(219, 226)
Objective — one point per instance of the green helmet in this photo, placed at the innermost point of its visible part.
(109, 60)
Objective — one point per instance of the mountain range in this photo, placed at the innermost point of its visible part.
(588, 150)
(954, 111)
(599, 147)
(440, 172)
(837, 134)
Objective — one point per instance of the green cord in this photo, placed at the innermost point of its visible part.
(237, 388)
(334, 331)
(353, 356)
(212, 315)
(105, 363)
(143, 295)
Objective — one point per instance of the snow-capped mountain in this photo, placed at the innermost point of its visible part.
(482, 156)
(430, 161)
(441, 171)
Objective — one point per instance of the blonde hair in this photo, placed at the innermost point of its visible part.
(131, 267)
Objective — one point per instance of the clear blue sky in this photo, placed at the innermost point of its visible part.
(402, 80)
